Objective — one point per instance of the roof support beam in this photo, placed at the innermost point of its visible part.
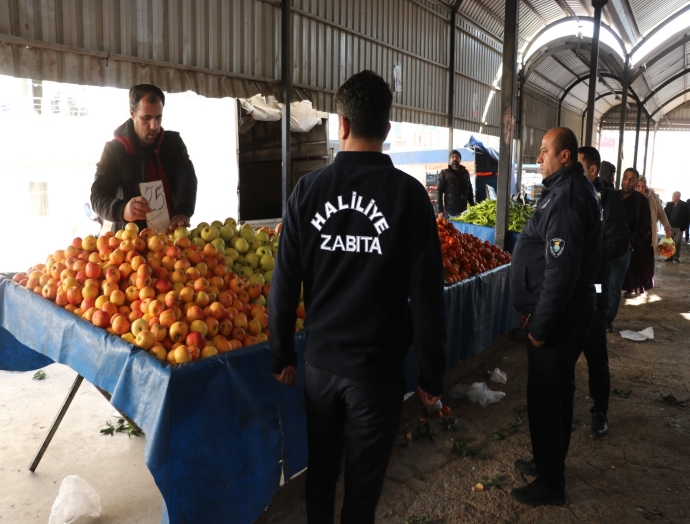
(665, 83)
(451, 72)
(621, 129)
(646, 146)
(593, 69)
(286, 77)
(637, 134)
(508, 90)
(656, 55)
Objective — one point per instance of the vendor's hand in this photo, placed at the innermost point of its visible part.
(136, 209)
(668, 232)
(535, 343)
(178, 221)
(441, 215)
(287, 377)
(427, 398)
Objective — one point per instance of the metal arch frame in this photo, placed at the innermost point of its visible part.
(658, 53)
(666, 82)
(576, 19)
(565, 43)
(658, 29)
(676, 97)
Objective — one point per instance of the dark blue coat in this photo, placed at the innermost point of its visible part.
(557, 256)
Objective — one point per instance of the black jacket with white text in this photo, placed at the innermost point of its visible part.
(362, 236)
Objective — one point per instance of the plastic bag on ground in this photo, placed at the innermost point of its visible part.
(477, 392)
(498, 376)
(76, 499)
(436, 407)
(639, 336)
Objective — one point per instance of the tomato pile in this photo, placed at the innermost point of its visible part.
(465, 255)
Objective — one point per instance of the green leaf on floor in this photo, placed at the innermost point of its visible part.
(417, 519)
(673, 401)
(623, 393)
(39, 375)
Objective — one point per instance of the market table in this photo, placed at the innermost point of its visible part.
(486, 233)
(220, 433)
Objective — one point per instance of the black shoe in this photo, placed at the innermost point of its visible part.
(600, 425)
(526, 467)
(539, 493)
(669, 260)
(610, 328)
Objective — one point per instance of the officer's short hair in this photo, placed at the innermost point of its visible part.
(152, 93)
(564, 140)
(591, 156)
(365, 99)
(633, 171)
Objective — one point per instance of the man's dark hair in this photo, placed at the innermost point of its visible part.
(633, 171)
(564, 140)
(591, 156)
(607, 171)
(152, 93)
(455, 152)
(365, 100)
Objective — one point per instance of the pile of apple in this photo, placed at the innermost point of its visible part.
(465, 255)
(181, 297)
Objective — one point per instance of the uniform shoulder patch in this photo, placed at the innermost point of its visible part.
(556, 246)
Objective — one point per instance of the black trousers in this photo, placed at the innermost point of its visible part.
(550, 394)
(360, 420)
(597, 356)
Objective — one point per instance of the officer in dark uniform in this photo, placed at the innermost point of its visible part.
(554, 268)
(615, 245)
(347, 234)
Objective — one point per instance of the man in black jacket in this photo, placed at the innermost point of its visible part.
(554, 268)
(361, 236)
(615, 245)
(678, 213)
(454, 188)
(143, 152)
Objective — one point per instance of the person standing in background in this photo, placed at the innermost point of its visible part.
(657, 209)
(678, 214)
(615, 244)
(454, 188)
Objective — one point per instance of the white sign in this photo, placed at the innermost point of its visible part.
(158, 220)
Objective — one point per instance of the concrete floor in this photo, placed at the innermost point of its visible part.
(113, 466)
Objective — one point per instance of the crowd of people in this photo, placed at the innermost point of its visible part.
(585, 245)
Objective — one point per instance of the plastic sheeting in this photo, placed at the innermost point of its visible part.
(486, 233)
(221, 425)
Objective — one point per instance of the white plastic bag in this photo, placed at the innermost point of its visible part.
(264, 109)
(436, 407)
(498, 376)
(639, 336)
(76, 499)
(477, 392)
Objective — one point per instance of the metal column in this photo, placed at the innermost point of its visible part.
(451, 73)
(508, 88)
(519, 131)
(637, 133)
(593, 70)
(286, 75)
(624, 116)
(646, 145)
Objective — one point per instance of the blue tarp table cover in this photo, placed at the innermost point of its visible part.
(486, 233)
(219, 432)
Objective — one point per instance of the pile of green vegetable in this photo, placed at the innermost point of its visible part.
(484, 214)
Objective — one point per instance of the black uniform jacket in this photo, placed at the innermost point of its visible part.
(451, 200)
(556, 258)
(616, 236)
(123, 166)
(362, 237)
